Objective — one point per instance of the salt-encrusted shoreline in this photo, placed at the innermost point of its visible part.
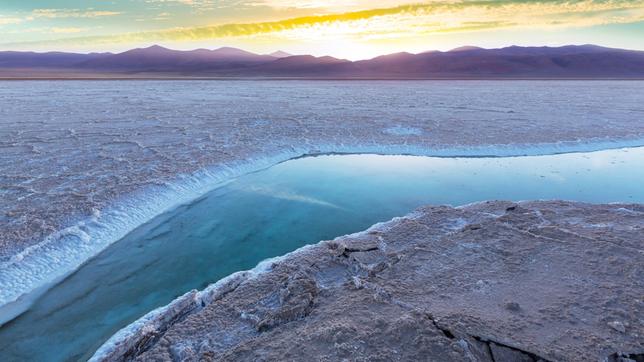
(66, 156)
(491, 281)
(29, 273)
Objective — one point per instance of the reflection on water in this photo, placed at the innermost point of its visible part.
(277, 210)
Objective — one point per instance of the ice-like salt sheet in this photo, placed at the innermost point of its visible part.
(280, 209)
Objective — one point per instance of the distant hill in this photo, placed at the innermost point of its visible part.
(465, 48)
(11, 59)
(573, 61)
(280, 54)
(160, 59)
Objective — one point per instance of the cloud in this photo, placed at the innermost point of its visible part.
(330, 5)
(67, 30)
(391, 22)
(200, 5)
(8, 20)
(71, 13)
(184, 2)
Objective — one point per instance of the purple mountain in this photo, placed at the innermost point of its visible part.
(160, 59)
(583, 61)
(280, 54)
(11, 59)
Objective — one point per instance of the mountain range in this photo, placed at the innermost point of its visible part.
(572, 61)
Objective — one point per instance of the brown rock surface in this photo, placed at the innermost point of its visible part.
(494, 281)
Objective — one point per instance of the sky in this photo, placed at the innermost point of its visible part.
(355, 29)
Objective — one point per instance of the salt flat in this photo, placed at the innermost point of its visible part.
(83, 162)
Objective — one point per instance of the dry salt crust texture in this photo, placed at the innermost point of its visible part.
(82, 163)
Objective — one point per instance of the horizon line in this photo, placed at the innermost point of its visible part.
(458, 48)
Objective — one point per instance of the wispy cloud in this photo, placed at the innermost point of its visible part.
(331, 5)
(201, 5)
(184, 2)
(10, 20)
(71, 13)
(433, 17)
(68, 30)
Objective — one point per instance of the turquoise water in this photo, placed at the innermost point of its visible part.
(277, 210)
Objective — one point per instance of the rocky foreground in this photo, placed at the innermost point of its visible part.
(495, 281)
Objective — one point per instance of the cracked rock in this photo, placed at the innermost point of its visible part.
(618, 326)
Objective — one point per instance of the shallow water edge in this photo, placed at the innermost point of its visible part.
(140, 333)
